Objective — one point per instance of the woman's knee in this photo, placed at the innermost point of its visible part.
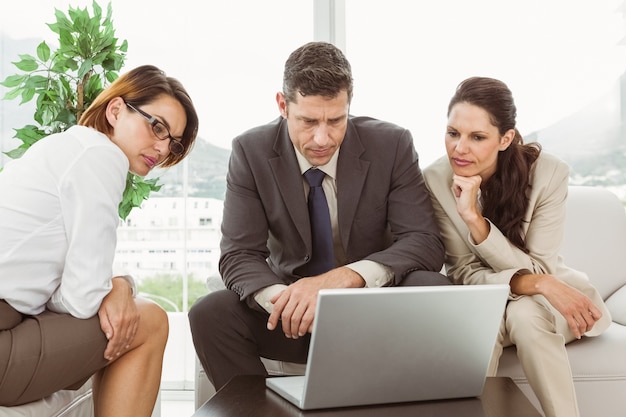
(153, 319)
(527, 321)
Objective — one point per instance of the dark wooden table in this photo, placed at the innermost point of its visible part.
(247, 396)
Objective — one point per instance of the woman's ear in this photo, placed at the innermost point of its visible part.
(114, 108)
(507, 139)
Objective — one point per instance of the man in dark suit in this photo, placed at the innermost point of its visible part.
(381, 219)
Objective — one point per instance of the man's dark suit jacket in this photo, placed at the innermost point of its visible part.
(384, 209)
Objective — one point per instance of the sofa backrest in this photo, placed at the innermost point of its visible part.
(595, 237)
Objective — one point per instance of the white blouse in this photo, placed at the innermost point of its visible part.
(58, 220)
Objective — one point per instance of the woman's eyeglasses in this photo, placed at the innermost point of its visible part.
(160, 131)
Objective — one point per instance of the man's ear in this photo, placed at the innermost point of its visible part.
(113, 110)
(281, 100)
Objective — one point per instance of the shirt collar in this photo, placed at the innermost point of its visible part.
(329, 169)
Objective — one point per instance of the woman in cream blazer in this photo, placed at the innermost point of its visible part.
(500, 205)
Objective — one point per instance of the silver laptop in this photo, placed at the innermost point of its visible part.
(397, 344)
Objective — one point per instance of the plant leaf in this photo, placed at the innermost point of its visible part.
(37, 82)
(29, 134)
(86, 66)
(27, 95)
(43, 51)
(14, 80)
(27, 63)
(12, 94)
(97, 10)
(16, 153)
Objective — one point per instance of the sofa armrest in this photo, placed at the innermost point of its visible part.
(616, 303)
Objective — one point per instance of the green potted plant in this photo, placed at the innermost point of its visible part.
(64, 83)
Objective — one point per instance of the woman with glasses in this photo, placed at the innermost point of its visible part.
(65, 315)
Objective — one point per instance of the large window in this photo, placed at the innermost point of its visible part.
(558, 57)
(229, 55)
(562, 59)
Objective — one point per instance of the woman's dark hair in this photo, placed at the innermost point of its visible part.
(139, 86)
(505, 193)
(317, 69)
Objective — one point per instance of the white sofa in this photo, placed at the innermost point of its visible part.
(60, 404)
(595, 242)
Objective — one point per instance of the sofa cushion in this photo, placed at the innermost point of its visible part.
(594, 240)
(60, 404)
(616, 304)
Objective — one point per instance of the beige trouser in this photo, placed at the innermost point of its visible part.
(540, 335)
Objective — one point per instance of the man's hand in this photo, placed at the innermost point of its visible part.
(295, 306)
(119, 318)
(578, 309)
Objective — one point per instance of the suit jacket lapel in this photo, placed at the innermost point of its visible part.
(351, 174)
(286, 176)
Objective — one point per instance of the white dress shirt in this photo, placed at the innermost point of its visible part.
(58, 221)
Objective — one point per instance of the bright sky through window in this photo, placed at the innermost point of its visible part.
(407, 57)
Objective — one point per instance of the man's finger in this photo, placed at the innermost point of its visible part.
(279, 302)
